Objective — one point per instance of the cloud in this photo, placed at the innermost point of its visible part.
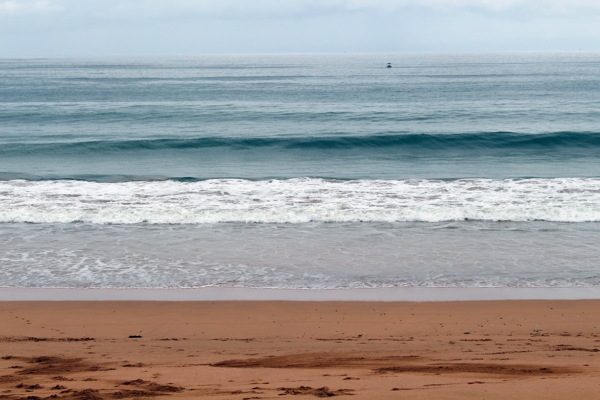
(24, 7)
(31, 27)
(152, 9)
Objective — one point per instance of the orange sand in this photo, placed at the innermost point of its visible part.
(274, 350)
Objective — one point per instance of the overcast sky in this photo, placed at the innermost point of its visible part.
(156, 27)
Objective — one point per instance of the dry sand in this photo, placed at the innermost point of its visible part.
(274, 350)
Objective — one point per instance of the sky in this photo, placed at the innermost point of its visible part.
(47, 28)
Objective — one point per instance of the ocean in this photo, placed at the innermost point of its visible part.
(301, 171)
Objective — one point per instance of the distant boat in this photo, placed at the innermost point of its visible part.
(389, 65)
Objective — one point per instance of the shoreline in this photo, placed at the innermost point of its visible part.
(405, 294)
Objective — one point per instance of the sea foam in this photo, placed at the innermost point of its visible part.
(300, 200)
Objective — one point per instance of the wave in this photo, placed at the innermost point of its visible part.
(300, 200)
(410, 142)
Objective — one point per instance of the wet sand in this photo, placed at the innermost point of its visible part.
(273, 350)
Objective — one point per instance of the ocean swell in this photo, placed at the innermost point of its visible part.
(555, 141)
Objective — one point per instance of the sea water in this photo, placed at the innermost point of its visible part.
(309, 171)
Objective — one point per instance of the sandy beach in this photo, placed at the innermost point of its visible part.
(273, 350)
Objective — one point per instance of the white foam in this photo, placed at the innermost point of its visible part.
(300, 256)
(300, 200)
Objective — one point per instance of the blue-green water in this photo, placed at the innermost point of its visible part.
(324, 170)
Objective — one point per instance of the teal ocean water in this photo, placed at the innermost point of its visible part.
(301, 171)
